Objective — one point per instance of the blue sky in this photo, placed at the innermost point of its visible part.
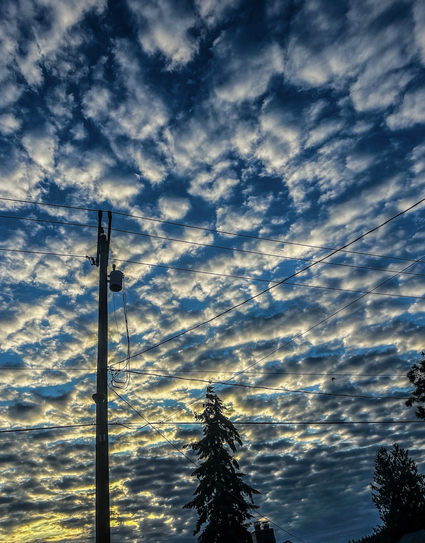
(284, 130)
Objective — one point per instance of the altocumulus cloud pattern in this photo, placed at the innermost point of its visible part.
(282, 130)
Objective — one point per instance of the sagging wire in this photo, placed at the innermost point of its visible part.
(120, 377)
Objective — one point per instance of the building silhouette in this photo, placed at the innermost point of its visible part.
(263, 533)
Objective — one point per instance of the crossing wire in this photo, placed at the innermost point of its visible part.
(201, 228)
(245, 278)
(221, 247)
(263, 387)
(275, 285)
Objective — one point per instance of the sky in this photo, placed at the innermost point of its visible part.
(236, 143)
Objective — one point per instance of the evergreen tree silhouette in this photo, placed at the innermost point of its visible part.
(417, 377)
(398, 491)
(222, 500)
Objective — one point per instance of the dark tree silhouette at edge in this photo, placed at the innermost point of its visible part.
(398, 491)
(222, 500)
(417, 377)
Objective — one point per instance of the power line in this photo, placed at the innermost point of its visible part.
(22, 368)
(217, 231)
(316, 325)
(145, 372)
(49, 221)
(236, 374)
(250, 278)
(37, 428)
(44, 253)
(247, 278)
(234, 249)
(58, 427)
(283, 423)
(185, 225)
(261, 387)
(47, 204)
(276, 285)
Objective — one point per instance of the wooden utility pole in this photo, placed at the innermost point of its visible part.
(103, 523)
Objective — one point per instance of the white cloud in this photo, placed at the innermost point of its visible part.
(41, 146)
(213, 11)
(410, 112)
(419, 17)
(9, 93)
(43, 42)
(9, 124)
(322, 132)
(173, 207)
(249, 216)
(165, 26)
(246, 73)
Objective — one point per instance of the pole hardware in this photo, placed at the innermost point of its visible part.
(115, 279)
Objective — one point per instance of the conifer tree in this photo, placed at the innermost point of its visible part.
(222, 500)
(398, 491)
(417, 377)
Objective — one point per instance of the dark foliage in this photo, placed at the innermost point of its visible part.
(222, 500)
(398, 491)
(417, 377)
(374, 538)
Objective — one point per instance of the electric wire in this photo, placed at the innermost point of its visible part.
(126, 369)
(261, 253)
(234, 249)
(212, 372)
(279, 283)
(49, 221)
(278, 389)
(56, 427)
(38, 428)
(238, 373)
(247, 278)
(212, 230)
(281, 423)
(256, 279)
(196, 464)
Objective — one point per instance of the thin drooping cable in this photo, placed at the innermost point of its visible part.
(49, 221)
(217, 231)
(257, 279)
(280, 423)
(260, 253)
(126, 370)
(47, 204)
(38, 428)
(276, 389)
(28, 368)
(326, 319)
(238, 373)
(260, 238)
(44, 253)
(57, 427)
(277, 284)
(195, 463)
(145, 372)
(247, 278)
(221, 247)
